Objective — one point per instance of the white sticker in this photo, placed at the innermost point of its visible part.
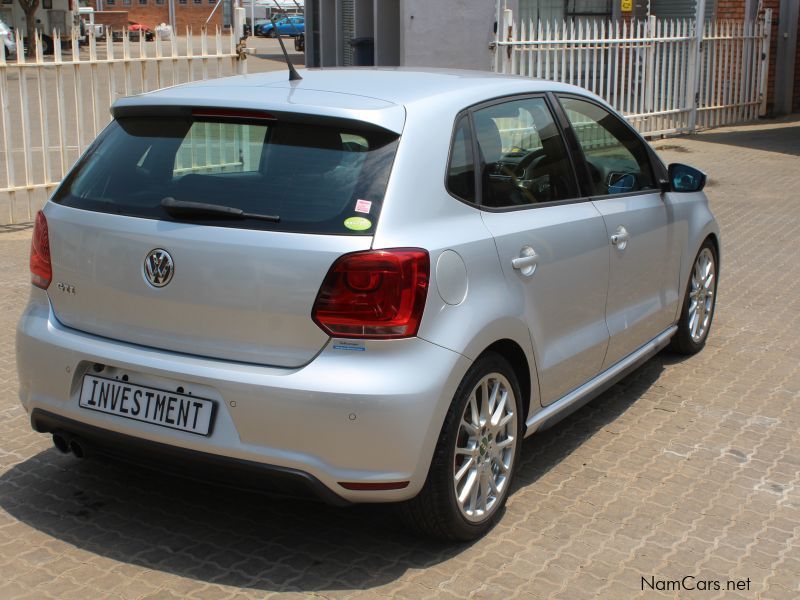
(348, 345)
(363, 206)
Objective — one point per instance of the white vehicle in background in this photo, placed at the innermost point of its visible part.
(8, 39)
(87, 17)
(60, 18)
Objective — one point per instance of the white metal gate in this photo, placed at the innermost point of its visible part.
(665, 76)
(54, 106)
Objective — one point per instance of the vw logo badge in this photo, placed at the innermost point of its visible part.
(158, 268)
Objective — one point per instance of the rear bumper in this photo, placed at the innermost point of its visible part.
(202, 466)
(370, 416)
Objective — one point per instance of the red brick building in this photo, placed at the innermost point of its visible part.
(178, 13)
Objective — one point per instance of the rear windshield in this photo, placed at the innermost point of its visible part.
(324, 179)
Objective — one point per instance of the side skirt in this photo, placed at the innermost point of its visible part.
(553, 413)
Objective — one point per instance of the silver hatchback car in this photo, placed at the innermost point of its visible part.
(367, 284)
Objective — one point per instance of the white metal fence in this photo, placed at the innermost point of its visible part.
(665, 76)
(54, 106)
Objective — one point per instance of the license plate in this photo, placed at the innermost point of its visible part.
(150, 405)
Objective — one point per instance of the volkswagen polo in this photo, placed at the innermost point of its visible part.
(366, 284)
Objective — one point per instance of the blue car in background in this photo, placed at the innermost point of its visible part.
(292, 26)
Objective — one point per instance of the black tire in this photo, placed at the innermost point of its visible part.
(435, 511)
(272, 33)
(683, 342)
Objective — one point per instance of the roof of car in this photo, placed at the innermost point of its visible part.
(370, 94)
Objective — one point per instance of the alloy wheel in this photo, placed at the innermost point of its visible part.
(701, 295)
(485, 448)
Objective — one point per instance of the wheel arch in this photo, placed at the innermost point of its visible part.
(699, 232)
(715, 241)
(515, 355)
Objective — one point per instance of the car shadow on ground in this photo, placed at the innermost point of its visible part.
(546, 449)
(255, 541)
(783, 138)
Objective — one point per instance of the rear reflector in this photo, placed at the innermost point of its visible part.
(361, 486)
(378, 294)
(41, 270)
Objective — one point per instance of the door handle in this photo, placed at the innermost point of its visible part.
(526, 262)
(620, 238)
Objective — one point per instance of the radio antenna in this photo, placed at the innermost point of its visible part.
(293, 74)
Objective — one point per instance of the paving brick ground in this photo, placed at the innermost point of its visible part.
(687, 467)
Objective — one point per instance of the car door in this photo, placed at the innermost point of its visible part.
(552, 243)
(644, 257)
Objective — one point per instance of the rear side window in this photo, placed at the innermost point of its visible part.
(324, 179)
(461, 170)
(523, 158)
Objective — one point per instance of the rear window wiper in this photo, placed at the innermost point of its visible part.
(181, 208)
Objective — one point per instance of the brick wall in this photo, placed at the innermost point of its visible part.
(192, 14)
(116, 20)
(730, 9)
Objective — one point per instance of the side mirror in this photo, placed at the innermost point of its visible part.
(683, 178)
(621, 183)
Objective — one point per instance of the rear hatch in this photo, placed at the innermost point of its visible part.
(240, 285)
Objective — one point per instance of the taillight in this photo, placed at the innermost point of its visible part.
(41, 270)
(374, 294)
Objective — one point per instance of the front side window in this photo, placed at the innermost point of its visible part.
(317, 178)
(617, 158)
(522, 155)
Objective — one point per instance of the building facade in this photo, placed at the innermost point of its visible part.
(181, 14)
(458, 33)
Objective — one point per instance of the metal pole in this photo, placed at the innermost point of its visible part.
(693, 89)
(762, 111)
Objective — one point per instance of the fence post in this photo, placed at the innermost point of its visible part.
(650, 66)
(508, 28)
(765, 44)
(498, 24)
(695, 64)
(238, 48)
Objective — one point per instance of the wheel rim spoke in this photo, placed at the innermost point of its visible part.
(468, 464)
(473, 429)
(469, 485)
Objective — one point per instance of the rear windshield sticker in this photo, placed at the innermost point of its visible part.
(363, 206)
(357, 223)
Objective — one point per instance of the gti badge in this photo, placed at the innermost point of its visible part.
(158, 268)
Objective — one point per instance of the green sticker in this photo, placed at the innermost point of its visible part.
(357, 223)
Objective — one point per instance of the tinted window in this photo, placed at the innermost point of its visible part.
(617, 158)
(523, 158)
(461, 170)
(313, 177)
